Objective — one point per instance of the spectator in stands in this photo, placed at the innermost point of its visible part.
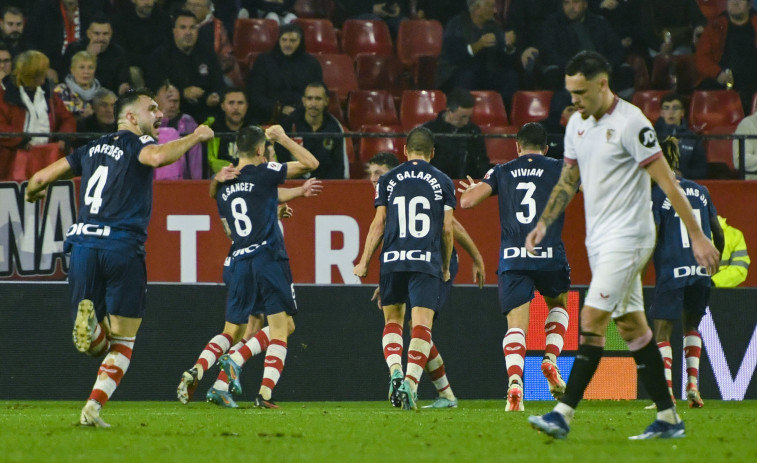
(102, 120)
(176, 124)
(6, 61)
(12, 30)
(79, 86)
(477, 54)
(458, 157)
(392, 12)
(560, 109)
(112, 62)
(670, 27)
(56, 24)
(747, 126)
(278, 78)
(28, 104)
(516, 17)
(313, 117)
(734, 262)
(222, 150)
(440, 10)
(624, 17)
(379, 164)
(672, 123)
(140, 31)
(278, 10)
(727, 51)
(573, 29)
(192, 68)
(212, 34)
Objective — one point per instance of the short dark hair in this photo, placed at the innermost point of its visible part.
(129, 98)
(228, 90)
(249, 138)
(420, 140)
(4, 47)
(588, 63)
(385, 158)
(12, 10)
(291, 27)
(178, 14)
(672, 96)
(532, 135)
(318, 84)
(100, 18)
(460, 98)
(669, 147)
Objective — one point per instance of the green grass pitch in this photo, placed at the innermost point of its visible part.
(477, 431)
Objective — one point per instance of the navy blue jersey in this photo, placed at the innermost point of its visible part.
(115, 196)
(523, 186)
(248, 206)
(415, 195)
(674, 262)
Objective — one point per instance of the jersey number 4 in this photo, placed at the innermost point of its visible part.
(93, 195)
(410, 218)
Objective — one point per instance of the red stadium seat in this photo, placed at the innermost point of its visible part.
(417, 37)
(530, 106)
(419, 106)
(640, 72)
(649, 102)
(361, 36)
(335, 108)
(371, 107)
(373, 145)
(754, 104)
(720, 150)
(675, 71)
(714, 108)
(320, 36)
(489, 109)
(711, 8)
(313, 8)
(338, 73)
(378, 72)
(500, 150)
(254, 35)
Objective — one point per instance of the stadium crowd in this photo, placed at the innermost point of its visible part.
(387, 67)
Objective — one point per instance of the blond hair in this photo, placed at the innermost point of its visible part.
(29, 67)
(83, 55)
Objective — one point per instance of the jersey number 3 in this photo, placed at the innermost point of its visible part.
(528, 201)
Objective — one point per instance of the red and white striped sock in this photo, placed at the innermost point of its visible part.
(417, 354)
(242, 352)
(112, 369)
(393, 344)
(667, 361)
(275, 356)
(101, 343)
(514, 348)
(435, 370)
(692, 349)
(555, 328)
(217, 346)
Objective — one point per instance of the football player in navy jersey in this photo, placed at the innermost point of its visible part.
(107, 278)
(394, 316)
(523, 187)
(414, 214)
(682, 285)
(260, 274)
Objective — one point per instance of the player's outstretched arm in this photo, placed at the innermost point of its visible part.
(168, 153)
(224, 175)
(37, 186)
(473, 193)
(447, 242)
(305, 163)
(704, 251)
(562, 193)
(311, 187)
(372, 241)
(461, 236)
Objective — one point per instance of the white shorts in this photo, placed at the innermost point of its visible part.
(616, 281)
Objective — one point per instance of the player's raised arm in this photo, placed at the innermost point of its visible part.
(168, 153)
(463, 238)
(704, 251)
(561, 195)
(224, 175)
(311, 187)
(37, 186)
(372, 242)
(306, 162)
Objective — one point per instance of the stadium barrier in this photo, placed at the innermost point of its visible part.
(335, 353)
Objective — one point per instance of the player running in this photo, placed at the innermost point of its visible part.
(523, 187)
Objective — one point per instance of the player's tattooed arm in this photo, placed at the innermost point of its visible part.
(562, 193)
